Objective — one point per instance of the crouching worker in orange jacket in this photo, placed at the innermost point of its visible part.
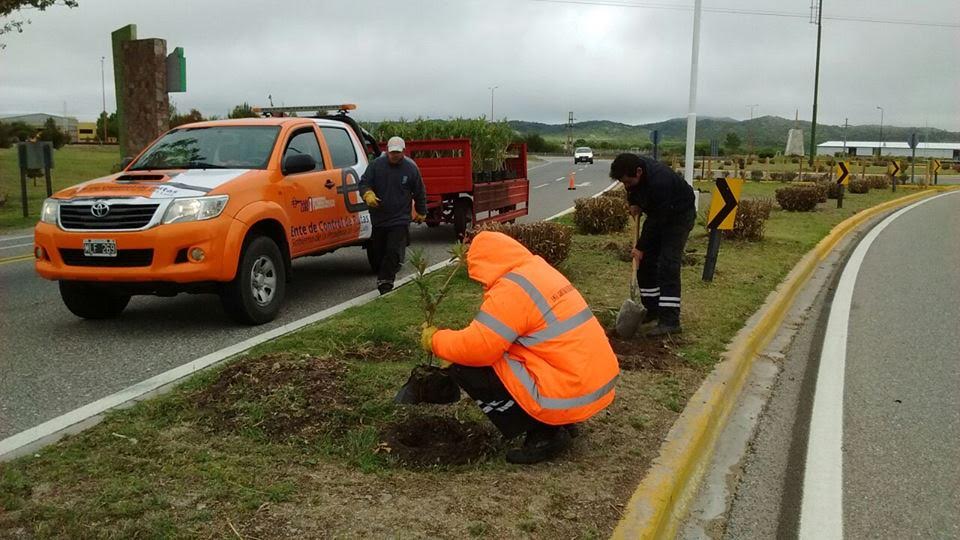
(534, 358)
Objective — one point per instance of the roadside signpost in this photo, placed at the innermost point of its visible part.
(893, 169)
(655, 139)
(936, 171)
(843, 178)
(913, 159)
(723, 213)
(34, 156)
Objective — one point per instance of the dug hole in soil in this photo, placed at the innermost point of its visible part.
(429, 440)
(642, 353)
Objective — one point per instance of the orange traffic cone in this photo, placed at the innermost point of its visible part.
(573, 178)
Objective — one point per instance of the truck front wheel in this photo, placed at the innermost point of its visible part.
(256, 292)
(92, 301)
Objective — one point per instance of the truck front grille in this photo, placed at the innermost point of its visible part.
(118, 217)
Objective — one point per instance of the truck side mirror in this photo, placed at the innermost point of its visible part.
(298, 163)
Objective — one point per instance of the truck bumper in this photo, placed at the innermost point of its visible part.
(168, 260)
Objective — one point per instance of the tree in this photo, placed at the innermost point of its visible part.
(732, 142)
(15, 132)
(177, 119)
(53, 134)
(243, 111)
(15, 24)
(112, 126)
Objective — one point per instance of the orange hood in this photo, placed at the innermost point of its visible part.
(492, 255)
(154, 184)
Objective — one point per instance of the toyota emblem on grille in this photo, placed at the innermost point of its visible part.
(100, 209)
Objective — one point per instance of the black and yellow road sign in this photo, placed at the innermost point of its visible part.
(723, 203)
(894, 168)
(843, 173)
(937, 166)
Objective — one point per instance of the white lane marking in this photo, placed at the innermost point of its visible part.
(562, 178)
(17, 245)
(540, 186)
(13, 446)
(541, 165)
(821, 509)
(584, 184)
(8, 238)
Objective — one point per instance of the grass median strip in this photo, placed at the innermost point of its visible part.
(301, 438)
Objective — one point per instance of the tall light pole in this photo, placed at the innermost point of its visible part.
(692, 114)
(816, 84)
(492, 88)
(881, 130)
(103, 92)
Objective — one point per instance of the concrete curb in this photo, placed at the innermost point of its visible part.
(660, 502)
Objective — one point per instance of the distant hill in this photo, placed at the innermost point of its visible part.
(766, 131)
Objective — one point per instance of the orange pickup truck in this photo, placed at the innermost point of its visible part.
(220, 206)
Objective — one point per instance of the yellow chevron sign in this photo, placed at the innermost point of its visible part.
(843, 173)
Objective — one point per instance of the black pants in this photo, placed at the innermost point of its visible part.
(658, 275)
(483, 385)
(388, 249)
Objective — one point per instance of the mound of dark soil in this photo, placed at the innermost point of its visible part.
(280, 395)
(652, 354)
(431, 440)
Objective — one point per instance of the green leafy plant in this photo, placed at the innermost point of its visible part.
(430, 299)
(859, 186)
(600, 215)
(750, 223)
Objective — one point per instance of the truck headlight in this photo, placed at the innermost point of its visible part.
(48, 214)
(195, 209)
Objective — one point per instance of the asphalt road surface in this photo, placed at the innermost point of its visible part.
(879, 460)
(52, 362)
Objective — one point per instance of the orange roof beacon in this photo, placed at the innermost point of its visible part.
(223, 207)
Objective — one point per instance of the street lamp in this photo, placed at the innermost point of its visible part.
(492, 88)
(881, 130)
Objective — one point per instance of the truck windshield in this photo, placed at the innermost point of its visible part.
(220, 147)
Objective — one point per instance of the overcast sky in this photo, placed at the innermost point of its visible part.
(437, 58)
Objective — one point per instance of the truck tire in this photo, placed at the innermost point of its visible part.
(462, 216)
(256, 292)
(91, 301)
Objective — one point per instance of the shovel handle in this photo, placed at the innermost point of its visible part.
(635, 264)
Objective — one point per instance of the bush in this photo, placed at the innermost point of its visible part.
(795, 160)
(789, 176)
(727, 163)
(756, 174)
(833, 190)
(544, 238)
(600, 215)
(859, 186)
(752, 215)
(615, 193)
(778, 176)
(878, 181)
(823, 188)
(798, 198)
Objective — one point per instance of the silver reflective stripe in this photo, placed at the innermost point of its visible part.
(534, 295)
(494, 324)
(526, 380)
(556, 329)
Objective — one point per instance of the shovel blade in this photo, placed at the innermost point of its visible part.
(629, 318)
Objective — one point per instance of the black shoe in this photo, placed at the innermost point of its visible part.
(664, 330)
(539, 446)
(649, 317)
(384, 288)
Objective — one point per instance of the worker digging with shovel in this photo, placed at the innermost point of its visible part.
(668, 203)
(535, 359)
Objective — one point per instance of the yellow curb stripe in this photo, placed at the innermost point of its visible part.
(18, 258)
(660, 501)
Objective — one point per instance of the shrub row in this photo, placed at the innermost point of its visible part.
(547, 239)
(600, 215)
(798, 198)
(750, 223)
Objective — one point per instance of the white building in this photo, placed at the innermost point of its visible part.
(890, 148)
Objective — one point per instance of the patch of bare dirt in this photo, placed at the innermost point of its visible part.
(622, 250)
(641, 353)
(281, 395)
(422, 441)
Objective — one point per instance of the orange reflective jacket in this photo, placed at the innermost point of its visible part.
(536, 331)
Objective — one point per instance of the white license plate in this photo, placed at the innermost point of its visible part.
(99, 248)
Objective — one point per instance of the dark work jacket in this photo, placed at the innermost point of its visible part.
(663, 196)
(397, 186)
